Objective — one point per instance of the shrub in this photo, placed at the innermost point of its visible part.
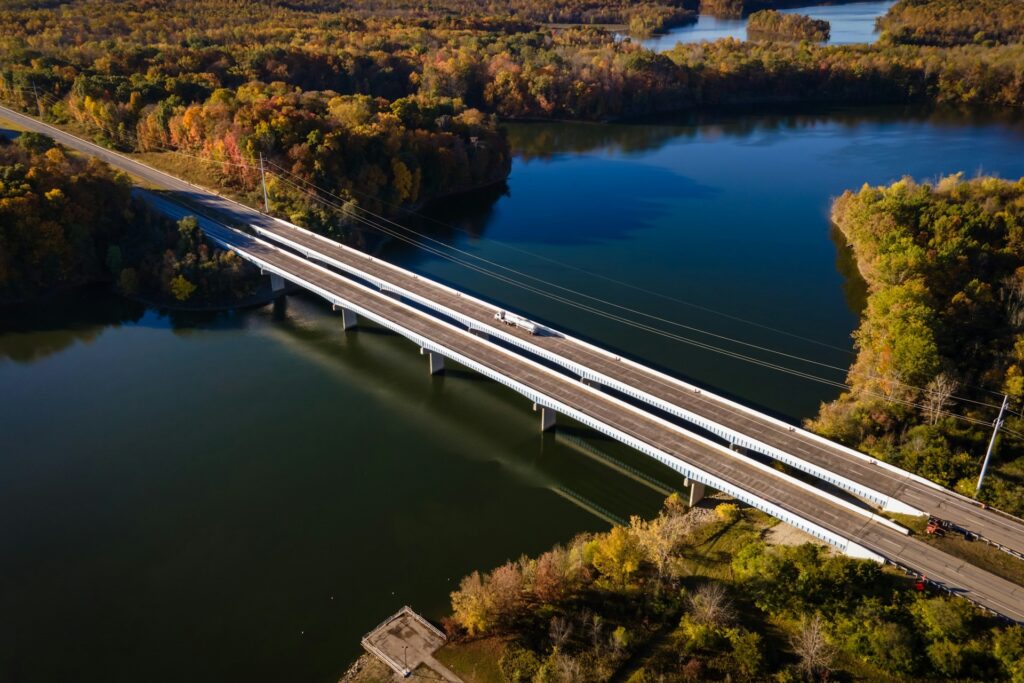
(727, 512)
(518, 665)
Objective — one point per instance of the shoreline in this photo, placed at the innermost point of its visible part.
(263, 296)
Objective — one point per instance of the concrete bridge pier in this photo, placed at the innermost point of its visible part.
(348, 318)
(547, 417)
(276, 282)
(589, 383)
(696, 491)
(739, 449)
(436, 361)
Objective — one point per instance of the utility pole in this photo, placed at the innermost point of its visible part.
(263, 180)
(991, 444)
(39, 106)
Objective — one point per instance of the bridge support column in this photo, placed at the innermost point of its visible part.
(589, 382)
(276, 282)
(436, 361)
(348, 318)
(696, 492)
(547, 417)
(739, 449)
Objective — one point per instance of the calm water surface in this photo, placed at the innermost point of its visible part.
(242, 496)
(852, 23)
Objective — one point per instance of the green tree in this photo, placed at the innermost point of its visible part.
(518, 665)
(620, 639)
(641, 675)
(188, 235)
(181, 288)
(893, 647)
(471, 606)
(747, 653)
(946, 657)
(944, 618)
(35, 143)
(1008, 647)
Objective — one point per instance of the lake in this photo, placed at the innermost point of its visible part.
(241, 496)
(851, 23)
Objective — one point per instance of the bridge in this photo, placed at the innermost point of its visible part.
(564, 376)
(877, 482)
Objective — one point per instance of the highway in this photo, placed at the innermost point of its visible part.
(749, 481)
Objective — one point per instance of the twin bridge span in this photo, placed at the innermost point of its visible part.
(290, 254)
(624, 400)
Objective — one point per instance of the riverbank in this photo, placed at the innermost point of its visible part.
(941, 338)
(675, 599)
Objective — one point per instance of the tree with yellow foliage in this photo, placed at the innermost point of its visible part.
(617, 556)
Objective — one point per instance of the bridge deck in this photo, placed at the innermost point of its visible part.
(992, 525)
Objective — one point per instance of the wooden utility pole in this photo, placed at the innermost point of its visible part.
(35, 94)
(263, 180)
(991, 444)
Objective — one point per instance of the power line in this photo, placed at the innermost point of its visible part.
(641, 326)
(605, 302)
(596, 299)
(601, 276)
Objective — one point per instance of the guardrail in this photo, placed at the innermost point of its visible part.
(730, 435)
(689, 470)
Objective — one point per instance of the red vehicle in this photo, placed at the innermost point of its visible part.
(936, 527)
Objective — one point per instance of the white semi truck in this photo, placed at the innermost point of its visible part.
(514, 320)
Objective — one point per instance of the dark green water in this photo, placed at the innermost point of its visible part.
(242, 496)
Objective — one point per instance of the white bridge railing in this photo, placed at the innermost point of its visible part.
(731, 436)
(687, 469)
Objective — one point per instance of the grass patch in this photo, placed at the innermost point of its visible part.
(916, 523)
(197, 172)
(711, 547)
(476, 661)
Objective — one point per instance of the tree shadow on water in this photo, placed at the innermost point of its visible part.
(33, 331)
